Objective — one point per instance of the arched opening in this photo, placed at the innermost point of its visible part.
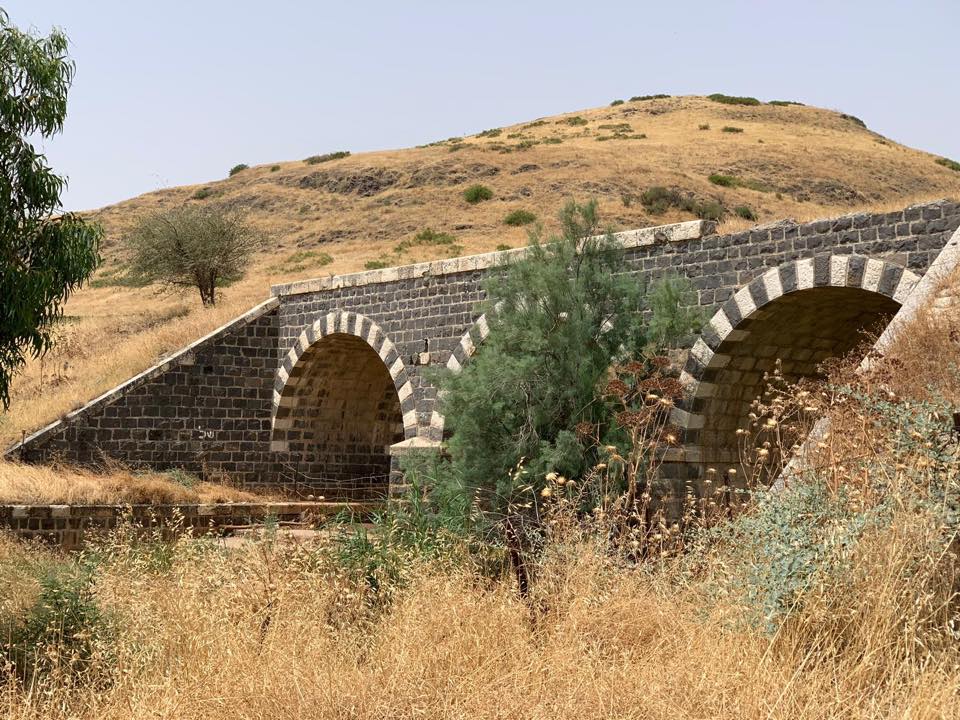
(338, 415)
(800, 329)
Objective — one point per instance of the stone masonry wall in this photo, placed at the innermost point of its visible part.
(206, 409)
(209, 409)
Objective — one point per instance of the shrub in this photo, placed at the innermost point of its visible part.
(376, 264)
(492, 132)
(503, 246)
(477, 193)
(238, 168)
(640, 98)
(658, 199)
(316, 159)
(854, 120)
(303, 259)
(65, 634)
(575, 120)
(203, 193)
(731, 129)
(274, 168)
(616, 102)
(519, 217)
(192, 246)
(745, 212)
(733, 99)
(948, 163)
(426, 237)
(552, 141)
(536, 123)
(723, 180)
(703, 126)
(784, 103)
(455, 147)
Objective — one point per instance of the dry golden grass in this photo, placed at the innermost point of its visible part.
(42, 484)
(277, 629)
(820, 164)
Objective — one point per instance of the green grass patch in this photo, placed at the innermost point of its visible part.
(503, 246)
(733, 181)
(536, 123)
(733, 99)
(457, 146)
(428, 238)
(238, 168)
(327, 157)
(731, 129)
(552, 141)
(575, 120)
(745, 212)
(274, 168)
(948, 163)
(617, 127)
(519, 217)
(203, 193)
(303, 259)
(621, 136)
(491, 133)
(117, 277)
(376, 264)
(477, 193)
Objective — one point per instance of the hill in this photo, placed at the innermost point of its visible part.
(647, 161)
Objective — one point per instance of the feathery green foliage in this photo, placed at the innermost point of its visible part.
(558, 317)
(44, 254)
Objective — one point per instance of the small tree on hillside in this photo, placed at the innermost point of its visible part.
(191, 246)
(43, 255)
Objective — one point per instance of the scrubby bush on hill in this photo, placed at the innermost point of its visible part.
(519, 217)
(949, 164)
(733, 99)
(477, 193)
(317, 159)
(657, 200)
(745, 212)
(640, 98)
(238, 168)
(731, 129)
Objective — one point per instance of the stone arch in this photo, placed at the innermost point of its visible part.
(802, 313)
(341, 398)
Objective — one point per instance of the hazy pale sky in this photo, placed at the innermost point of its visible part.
(177, 92)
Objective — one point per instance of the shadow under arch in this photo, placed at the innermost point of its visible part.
(341, 399)
(800, 313)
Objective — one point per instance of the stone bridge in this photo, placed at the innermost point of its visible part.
(316, 390)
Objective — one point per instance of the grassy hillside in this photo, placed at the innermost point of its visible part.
(333, 215)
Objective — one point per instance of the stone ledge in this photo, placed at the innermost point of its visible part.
(676, 232)
(184, 356)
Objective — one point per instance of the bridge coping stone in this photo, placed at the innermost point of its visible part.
(675, 232)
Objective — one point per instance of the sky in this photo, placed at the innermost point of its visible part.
(175, 92)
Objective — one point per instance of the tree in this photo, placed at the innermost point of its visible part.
(559, 317)
(192, 246)
(44, 254)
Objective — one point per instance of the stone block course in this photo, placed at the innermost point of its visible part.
(212, 408)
